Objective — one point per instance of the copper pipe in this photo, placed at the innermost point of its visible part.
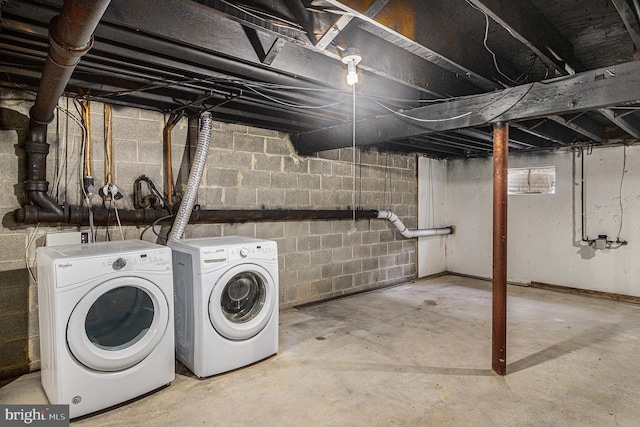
(108, 145)
(500, 184)
(88, 155)
(169, 165)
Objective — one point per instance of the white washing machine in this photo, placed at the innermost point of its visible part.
(226, 301)
(106, 322)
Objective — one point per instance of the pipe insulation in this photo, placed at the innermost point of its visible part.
(199, 161)
(412, 233)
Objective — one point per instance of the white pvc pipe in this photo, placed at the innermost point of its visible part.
(411, 233)
(199, 160)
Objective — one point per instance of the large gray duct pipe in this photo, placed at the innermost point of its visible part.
(70, 37)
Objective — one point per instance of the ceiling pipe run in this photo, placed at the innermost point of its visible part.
(77, 215)
(412, 233)
(71, 36)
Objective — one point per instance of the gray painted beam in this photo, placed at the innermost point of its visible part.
(601, 88)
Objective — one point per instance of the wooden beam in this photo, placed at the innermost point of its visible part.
(533, 29)
(627, 124)
(499, 307)
(629, 20)
(342, 22)
(600, 88)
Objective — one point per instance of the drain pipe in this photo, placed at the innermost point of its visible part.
(412, 233)
(70, 37)
(200, 158)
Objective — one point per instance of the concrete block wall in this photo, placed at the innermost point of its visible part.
(247, 168)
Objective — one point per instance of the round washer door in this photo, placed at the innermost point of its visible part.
(117, 324)
(242, 301)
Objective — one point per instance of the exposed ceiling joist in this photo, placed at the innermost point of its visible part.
(404, 36)
(582, 125)
(629, 19)
(629, 124)
(580, 92)
(447, 43)
(525, 23)
(344, 20)
(533, 29)
(255, 63)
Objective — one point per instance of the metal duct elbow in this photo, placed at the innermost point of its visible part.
(412, 233)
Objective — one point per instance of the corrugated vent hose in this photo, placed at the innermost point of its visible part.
(199, 161)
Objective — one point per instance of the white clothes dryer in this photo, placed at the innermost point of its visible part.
(106, 322)
(226, 300)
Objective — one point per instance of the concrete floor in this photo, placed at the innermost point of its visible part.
(415, 355)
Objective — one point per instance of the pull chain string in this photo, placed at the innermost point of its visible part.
(353, 153)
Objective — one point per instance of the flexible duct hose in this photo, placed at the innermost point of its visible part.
(200, 158)
(411, 233)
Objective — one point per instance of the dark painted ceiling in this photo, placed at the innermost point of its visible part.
(433, 78)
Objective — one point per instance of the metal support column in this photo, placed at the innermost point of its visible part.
(500, 178)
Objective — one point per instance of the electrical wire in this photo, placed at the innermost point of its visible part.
(506, 92)
(152, 226)
(307, 107)
(115, 208)
(397, 113)
(624, 165)
(32, 238)
(484, 41)
(353, 152)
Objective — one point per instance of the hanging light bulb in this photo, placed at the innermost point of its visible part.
(351, 57)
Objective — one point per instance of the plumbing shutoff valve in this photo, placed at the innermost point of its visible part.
(110, 191)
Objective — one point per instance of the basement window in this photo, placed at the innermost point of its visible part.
(537, 180)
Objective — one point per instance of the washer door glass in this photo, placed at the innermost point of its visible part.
(242, 301)
(117, 324)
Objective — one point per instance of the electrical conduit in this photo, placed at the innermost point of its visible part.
(200, 158)
(412, 233)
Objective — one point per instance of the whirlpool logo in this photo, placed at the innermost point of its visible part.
(36, 415)
(65, 265)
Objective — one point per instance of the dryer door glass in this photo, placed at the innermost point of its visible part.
(119, 318)
(243, 297)
(118, 324)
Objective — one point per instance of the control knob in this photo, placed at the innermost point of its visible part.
(119, 264)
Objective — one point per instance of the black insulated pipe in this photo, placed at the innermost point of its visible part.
(76, 215)
(70, 37)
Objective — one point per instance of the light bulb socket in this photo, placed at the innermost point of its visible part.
(351, 57)
(351, 54)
